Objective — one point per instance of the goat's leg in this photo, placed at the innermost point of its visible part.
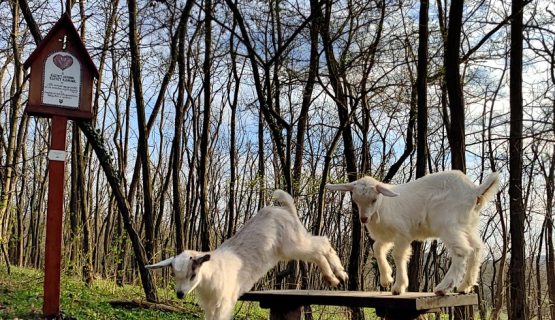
(334, 261)
(225, 312)
(380, 252)
(209, 313)
(313, 249)
(401, 254)
(459, 249)
(472, 265)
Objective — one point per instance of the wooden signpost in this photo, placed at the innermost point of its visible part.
(60, 88)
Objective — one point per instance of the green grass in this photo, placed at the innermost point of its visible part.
(21, 298)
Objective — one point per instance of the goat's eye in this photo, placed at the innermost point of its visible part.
(193, 276)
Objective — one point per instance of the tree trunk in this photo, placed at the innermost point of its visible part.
(415, 265)
(549, 175)
(500, 285)
(204, 140)
(336, 78)
(121, 245)
(177, 141)
(455, 121)
(83, 210)
(538, 274)
(123, 206)
(78, 210)
(517, 283)
(143, 149)
(9, 178)
(271, 117)
(20, 256)
(261, 176)
(455, 129)
(233, 102)
(73, 208)
(301, 133)
(307, 99)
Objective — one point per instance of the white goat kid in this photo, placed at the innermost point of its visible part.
(442, 205)
(274, 234)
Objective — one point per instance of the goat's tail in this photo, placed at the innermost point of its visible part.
(285, 200)
(487, 189)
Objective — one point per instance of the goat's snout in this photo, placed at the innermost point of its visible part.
(363, 219)
(180, 294)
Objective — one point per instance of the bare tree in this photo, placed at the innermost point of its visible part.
(204, 140)
(180, 109)
(456, 124)
(415, 265)
(15, 124)
(143, 150)
(516, 202)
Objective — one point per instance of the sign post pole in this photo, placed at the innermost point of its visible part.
(53, 254)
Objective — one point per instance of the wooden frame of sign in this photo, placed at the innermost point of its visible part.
(62, 75)
(60, 88)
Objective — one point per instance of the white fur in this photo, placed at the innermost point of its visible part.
(442, 205)
(274, 234)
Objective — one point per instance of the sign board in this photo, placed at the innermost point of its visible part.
(62, 75)
(61, 80)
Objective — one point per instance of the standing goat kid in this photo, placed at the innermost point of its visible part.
(274, 234)
(443, 205)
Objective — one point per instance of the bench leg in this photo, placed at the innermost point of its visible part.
(285, 313)
(388, 314)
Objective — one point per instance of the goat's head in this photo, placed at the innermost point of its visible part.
(185, 268)
(367, 193)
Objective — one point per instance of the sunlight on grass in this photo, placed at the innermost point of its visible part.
(21, 298)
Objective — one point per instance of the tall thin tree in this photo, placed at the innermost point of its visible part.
(233, 102)
(455, 126)
(143, 149)
(415, 265)
(8, 174)
(337, 78)
(205, 136)
(517, 279)
(178, 133)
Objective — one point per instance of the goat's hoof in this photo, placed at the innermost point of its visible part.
(332, 281)
(342, 276)
(439, 293)
(386, 282)
(442, 288)
(464, 289)
(397, 290)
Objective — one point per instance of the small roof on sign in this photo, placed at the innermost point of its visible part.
(73, 37)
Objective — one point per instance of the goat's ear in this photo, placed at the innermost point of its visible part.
(381, 188)
(341, 186)
(161, 264)
(198, 261)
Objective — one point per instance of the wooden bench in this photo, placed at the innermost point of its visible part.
(286, 304)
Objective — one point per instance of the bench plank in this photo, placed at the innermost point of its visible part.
(408, 305)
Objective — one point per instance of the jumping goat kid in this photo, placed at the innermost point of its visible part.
(443, 205)
(274, 234)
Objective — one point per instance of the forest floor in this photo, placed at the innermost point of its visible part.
(21, 298)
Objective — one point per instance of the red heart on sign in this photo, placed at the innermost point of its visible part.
(63, 62)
